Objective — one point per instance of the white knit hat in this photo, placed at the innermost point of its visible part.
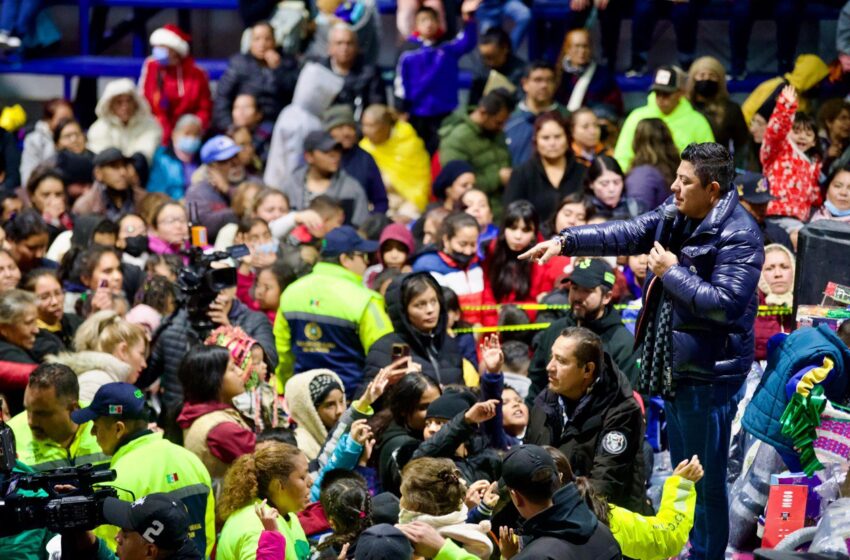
(172, 37)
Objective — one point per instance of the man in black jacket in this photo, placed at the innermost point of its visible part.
(590, 307)
(556, 523)
(589, 412)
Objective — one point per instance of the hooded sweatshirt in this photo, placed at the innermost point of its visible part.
(393, 232)
(310, 432)
(568, 529)
(315, 90)
(141, 134)
(93, 369)
(808, 71)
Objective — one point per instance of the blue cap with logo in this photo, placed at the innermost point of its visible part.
(219, 148)
(753, 187)
(345, 239)
(116, 400)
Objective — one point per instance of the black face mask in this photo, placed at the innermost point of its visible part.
(603, 132)
(461, 259)
(136, 245)
(706, 88)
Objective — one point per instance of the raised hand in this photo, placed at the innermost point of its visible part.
(491, 354)
(789, 94)
(361, 432)
(481, 411)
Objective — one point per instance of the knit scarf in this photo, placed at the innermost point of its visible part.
(656, 377)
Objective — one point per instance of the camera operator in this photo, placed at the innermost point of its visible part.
(46, 436)
(177, 335)
(144, 462)
(154, 526)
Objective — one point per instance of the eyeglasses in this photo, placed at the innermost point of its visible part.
(47, 296)
(171, 221)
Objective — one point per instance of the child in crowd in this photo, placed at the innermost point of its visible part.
(394, 251)
(427, 74)
(454, 263)
(605, 184)
(517, 361)
(790, 157)
(316, 400)
(269, 283)
(433, 492)
(256, 235)
(167, 266)
(475, 203)
(466, 341)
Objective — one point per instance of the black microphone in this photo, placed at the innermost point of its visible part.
(670, 212)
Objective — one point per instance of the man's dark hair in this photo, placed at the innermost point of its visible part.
(588, 346)
(535, 65)
(712, 162)
(60, 377)
(496, 36)
(25, 224)
(516, 355)
(495, 102)
(844, 333)
(106, 226)
(428, 10)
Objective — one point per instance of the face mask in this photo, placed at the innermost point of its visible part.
(832, 209)
(160, 54)
(706, 88)
(270, 248)
(461, 259)
(136, 245)
(188, 144)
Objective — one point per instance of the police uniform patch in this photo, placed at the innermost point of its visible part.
(614, 442)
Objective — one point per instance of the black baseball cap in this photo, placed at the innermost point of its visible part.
(345, 239)
(666, 80)
(591, 273)
(158, 518)
(109, 156)
(382, 541)
(754, 188)
(122, 401)
(524, 469)
(321, 141)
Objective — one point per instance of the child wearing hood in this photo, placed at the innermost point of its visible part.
(396, 247)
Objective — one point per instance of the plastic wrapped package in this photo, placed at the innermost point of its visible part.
(748, 497)
(833, 534)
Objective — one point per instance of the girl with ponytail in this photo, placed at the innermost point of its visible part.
(275, 474)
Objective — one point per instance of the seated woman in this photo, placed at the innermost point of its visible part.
(124, 121)
(27, 238)
(510, 280)
(454, 262)
(46, 191)
(455, 178)
(654, 165)
(212, 427)
(56, 329)
(93, 281)
(402, 159)
(18, 329)
(837, 203)
(416, 307)
(277, 473)
(108, 349)
(169, 230)
(72, 157)
(586, 135)
(776, 288)
(604, 183)
(173, 165)
(10, 274)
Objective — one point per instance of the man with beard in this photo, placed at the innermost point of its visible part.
(221, 173)
(590, 307)
(114, 192)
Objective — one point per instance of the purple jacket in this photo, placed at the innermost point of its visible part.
(427, 74)
(713, 288)
(647, 185)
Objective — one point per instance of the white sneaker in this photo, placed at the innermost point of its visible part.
(13, 42)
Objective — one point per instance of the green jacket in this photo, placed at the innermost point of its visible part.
(146, 464)
(462, 139)
(686, 125)
(241, 534)
(45, 455)
(453, 551)
(660, 536)
(327, 319)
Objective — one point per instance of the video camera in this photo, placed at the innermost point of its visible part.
(31, 501)
(199, 282)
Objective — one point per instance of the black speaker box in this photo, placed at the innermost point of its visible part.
(823, 255)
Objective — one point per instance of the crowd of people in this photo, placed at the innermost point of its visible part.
(456, 331)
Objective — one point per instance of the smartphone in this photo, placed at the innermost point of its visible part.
(400, 351)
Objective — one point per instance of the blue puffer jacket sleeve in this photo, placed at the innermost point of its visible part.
(346, 455)
(624, 237)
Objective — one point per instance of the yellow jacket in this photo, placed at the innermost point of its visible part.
(661, 536)
(404, 163)
(808, 71)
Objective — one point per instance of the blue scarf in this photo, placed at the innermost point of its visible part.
(830, 207)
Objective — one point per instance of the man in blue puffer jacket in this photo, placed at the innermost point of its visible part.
(696, 325)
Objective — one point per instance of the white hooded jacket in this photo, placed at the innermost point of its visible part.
(310, 432)
(93, 369)
(142, 134)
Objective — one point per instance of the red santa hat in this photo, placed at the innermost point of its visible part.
(172, 37)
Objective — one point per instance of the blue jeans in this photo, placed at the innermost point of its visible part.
(491, 12)
(699, 420)
(18, 16)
